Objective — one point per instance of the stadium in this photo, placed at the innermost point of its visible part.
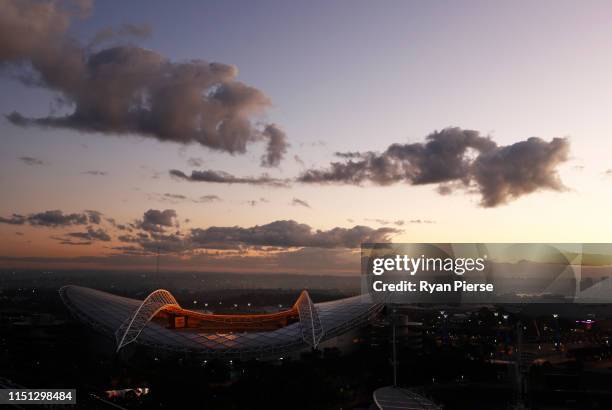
(160, 322)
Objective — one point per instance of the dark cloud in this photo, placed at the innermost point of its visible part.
(165, 244)
(508, 172)
(155, 241)
(278, 234)
(128, 89)
(72, 243)
(54, 218)
(94, 217)
(287, 234)
(57, 218)
(300, 202)
(91, 234)
(221, 177)
(14, 219)
(277, 145)
(31, 161)
(444, 189)
(453, 158)
(442, 158)
(96, 173)
(155, 220)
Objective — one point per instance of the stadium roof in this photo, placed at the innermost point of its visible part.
(305, 325)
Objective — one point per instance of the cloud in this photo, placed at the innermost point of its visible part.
(261, 200)
(14, 219)
(175, 197)
(126, 89)
(300, 202)
(399, 222)
(94, 172)
(455, 158)
(279, 234)
(421, 221)
(221, 177)
(94, 217)
(277, 145)
(444, 189)
(91, 234)
(349, 155)
(378, 221)
(54, 218)
(208, 198)
(165, 244)
(64, 241)
(30, 28)
(278, 245)
(287, 233)
(299, 160)
(508, 172)
(57, 218)
(178, 198)
(31, 161)
(155, 220)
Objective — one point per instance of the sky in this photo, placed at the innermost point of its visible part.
(455, 122)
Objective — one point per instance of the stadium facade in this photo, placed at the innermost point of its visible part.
(160, 322)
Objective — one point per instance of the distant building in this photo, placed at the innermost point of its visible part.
(160, 322)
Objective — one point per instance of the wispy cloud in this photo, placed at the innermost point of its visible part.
(220, 177)
(300, 202)
(31, 161)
